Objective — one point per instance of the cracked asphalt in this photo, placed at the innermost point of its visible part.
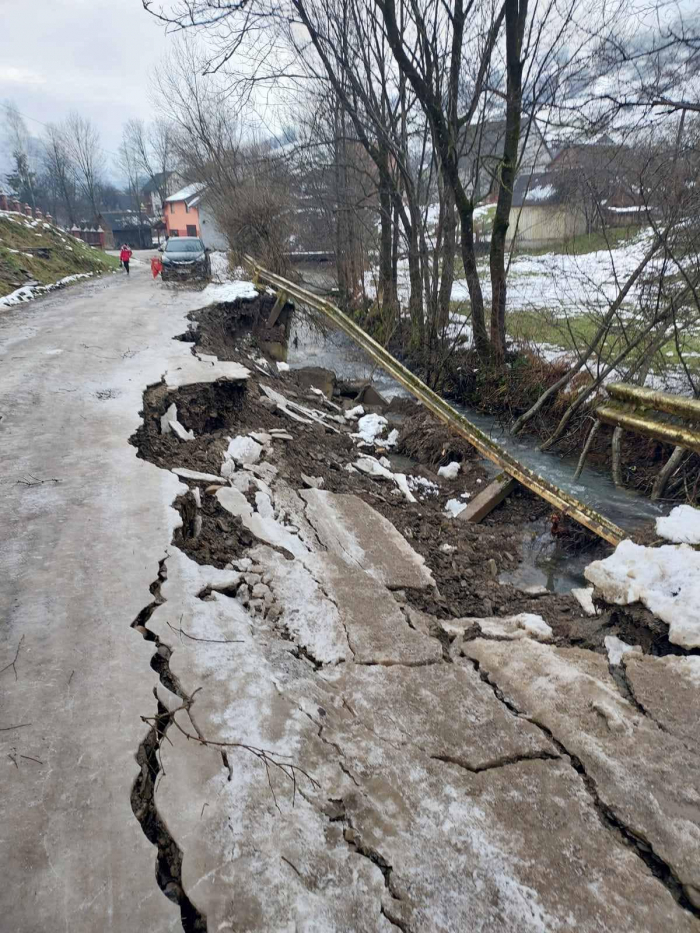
(318, 755)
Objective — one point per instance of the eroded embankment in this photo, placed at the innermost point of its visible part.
(266, 513)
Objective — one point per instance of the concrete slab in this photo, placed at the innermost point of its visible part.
(669, 690)
(358, 534)
(647, 777)
(192, 371)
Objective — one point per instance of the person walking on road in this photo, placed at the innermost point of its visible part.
(125, 256)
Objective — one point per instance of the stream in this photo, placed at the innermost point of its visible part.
(543, 561)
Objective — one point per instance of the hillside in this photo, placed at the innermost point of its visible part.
(26, 273)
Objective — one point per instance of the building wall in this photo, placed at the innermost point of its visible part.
(539, 225)
(212, 235)
(177, 217)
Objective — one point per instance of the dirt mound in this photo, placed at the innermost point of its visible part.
(219, 329)
(432, 443)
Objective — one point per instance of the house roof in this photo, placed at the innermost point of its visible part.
(537, 189)
(187, 193)
(154, 183)
(124, 220)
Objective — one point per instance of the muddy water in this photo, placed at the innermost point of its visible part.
(544, 563)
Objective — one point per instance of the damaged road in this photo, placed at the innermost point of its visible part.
(306, 701)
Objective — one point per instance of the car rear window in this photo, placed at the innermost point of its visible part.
(178, 245)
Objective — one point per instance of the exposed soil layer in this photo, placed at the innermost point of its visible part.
(219, 328)
(465, 559)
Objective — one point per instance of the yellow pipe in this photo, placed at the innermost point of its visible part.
(655, 401)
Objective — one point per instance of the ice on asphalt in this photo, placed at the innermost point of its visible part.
(665, 579)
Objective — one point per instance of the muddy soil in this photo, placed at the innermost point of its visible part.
(465, 559)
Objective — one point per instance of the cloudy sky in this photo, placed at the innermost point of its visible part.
(94, 56)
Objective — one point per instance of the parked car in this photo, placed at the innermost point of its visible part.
(185, 256)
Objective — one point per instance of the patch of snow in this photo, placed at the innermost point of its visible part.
(355, 413)
(665, 579)
(283, 367)
(465, 495)
(370, 427)
(540, 193)
(450, 471)
(423, 486)
(682, 526)
(28, 292)
(372, 467)
(219, 266)
(228, 291)
(617, 648)
(454, 507)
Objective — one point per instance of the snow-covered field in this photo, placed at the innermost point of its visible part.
(566, 284)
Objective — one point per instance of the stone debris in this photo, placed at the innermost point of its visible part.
(244, 450)
(185, 473)
(312, 482)
(373, 467)
(617, 649)
(170, 415)
(584, 597)
(181, 431)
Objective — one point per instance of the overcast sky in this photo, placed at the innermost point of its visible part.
(93, 56)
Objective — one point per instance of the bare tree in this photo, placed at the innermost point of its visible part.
(82, 142)
(60, 169)
(19, 143)
(152, 150)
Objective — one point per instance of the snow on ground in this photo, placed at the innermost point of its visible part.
(454, 507)
(27, 292)
(564, 283)
(682, 526)
(449, 471)
(665, 579)
(219, 266)
(227, 291)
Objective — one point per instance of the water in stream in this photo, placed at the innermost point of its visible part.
(543, 562)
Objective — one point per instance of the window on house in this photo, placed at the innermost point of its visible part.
(172, 207)
(174, 233)
(191, 230)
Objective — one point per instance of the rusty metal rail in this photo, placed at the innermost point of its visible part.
(637, 409)
(562, 501)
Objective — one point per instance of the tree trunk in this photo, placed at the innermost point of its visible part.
(448, 260)
(516, 14)
(616, 445)
(466, 217)
(666, 472)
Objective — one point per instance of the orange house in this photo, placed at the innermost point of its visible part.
(180, 211)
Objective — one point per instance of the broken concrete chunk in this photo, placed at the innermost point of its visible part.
(362, 537)
(282, 436)
(313, 482)
(368, 395)
(193, 372)
(617, 649)
(523, 625)
(244, 450)
(170, 415)
(261, 437)
(376, 628)
(185, 473)
(315, 377)
(181, 431)
(584, 597)
(214, 488)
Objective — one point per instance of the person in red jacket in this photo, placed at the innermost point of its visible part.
(125, 256)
